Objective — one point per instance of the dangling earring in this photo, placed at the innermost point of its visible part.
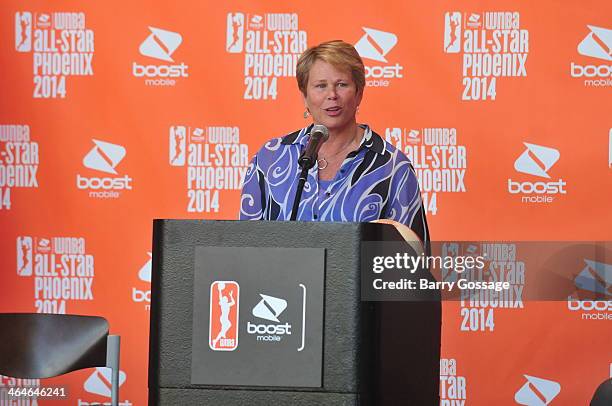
(357, 111)
(306, 113)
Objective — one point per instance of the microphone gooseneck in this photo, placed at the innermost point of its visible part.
(318, 135)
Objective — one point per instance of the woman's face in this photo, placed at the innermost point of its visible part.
(331, 96)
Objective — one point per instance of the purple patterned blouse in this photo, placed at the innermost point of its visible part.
(377, 181)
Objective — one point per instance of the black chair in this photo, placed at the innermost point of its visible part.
(603, 394)
(45, 345)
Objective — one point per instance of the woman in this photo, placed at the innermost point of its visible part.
(358, 176)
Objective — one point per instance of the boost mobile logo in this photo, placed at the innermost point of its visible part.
(104, 156)
(375, 45)
(595, 277)
(597, 44)
(99, 383)
(536, 160)
(161, 44)
(537, 392)
(269, 308)
(144, 274)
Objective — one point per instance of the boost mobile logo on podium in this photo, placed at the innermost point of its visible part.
(269, 308)
(274, 309)
(223, 324)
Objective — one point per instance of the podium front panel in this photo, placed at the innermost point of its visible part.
(258, 316)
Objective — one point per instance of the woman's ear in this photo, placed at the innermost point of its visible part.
(359, 96)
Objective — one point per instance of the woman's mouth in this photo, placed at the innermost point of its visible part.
(333, 111)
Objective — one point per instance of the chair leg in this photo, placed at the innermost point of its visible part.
(113, 345)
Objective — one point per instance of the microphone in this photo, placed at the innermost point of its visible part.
(318, 135)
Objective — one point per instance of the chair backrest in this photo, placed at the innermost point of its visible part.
(46, 345)
(603, 394)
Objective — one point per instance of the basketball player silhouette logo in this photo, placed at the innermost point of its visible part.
(223, 331)
(24, 256)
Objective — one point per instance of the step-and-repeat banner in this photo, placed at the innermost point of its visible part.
(113, 114)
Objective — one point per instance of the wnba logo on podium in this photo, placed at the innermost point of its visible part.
(223, 325)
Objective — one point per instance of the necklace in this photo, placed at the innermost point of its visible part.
(322, 162)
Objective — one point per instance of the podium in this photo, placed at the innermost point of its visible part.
(271, 313)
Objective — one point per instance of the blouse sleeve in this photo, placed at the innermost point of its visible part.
(253, 198)
(406, 204)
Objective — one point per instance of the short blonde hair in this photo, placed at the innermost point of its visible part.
(339, 54)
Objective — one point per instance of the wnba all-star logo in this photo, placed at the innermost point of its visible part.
(270, 44)
(223, 324)
(61, 46)
(491, 44)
